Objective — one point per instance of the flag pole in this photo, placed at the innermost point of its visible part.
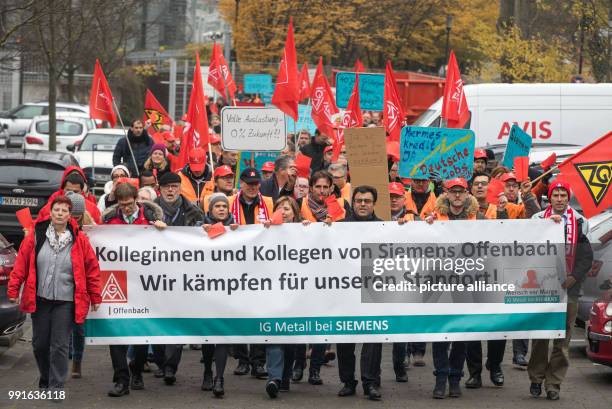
(212, 166)
(126, 138)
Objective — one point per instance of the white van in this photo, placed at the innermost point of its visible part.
(566, 114)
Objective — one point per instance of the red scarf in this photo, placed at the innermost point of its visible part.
(571, 236)
(263, 212)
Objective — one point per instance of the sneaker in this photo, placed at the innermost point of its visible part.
(272, 388)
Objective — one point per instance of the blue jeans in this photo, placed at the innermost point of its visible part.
(449, 365)
(276, 357)
(77, 344)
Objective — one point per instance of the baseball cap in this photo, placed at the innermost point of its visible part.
(197, 159)
(222, 171)
(480, 154)
(508, 176)
(396, 189)
(456, 182)
(250, 175)
(268, 167)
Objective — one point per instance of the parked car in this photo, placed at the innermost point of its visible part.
(593, 287)
(11, 317)
(70, 127)
(19, 118)
(95, 155)
(27, 179)
(599, 331)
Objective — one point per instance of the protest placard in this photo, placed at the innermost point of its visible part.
(258, 84)
(519, 144)
(304, 120)
(178, 286)
(255, 129)
(367, 155)
(446, 152)
(371, 90)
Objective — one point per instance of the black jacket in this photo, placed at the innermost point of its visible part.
(141, 146)
(270, 188)
(189, 215)
(315, 152)
(351, 217)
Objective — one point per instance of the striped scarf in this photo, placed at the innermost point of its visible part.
(571, 236)
(263, 211)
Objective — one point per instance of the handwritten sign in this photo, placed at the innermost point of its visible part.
(254, 129)
(367, 155)
(371, 90)
(259, 158)
(304, 120)
(443, 151)
(258, 84)
(519, 144)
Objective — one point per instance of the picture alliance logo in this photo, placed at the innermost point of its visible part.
(115, 286)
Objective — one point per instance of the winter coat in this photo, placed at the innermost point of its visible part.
(141, 146)
(191, 215)
(85, 269)
(148, 212)
(470, 209)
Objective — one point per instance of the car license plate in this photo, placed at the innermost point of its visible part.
(18, 201)
(102, 177)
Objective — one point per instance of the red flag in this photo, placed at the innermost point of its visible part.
(549, 161)
(216, 230)
(24, 216)
(323, 102)
(521, 168)
(454, 105)
(393, 112)
(277, 217)
(219, 74)
(302, 163)
(101, 98)
(304, 83)
(494, 189)
(195, 133)
(589, 174)
(358, 66)
(155, 112)
(287, 91)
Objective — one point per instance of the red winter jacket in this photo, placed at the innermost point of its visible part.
(90, 201)
(84, 267)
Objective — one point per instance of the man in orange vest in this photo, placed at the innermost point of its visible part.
(195, 177)
(314, 207)
(420, 200)
(480, 183)
(341, 187)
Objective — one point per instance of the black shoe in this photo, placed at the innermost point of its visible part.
(241, 369)
(272, 389)
(454, 389)
(329, 356)
(314, 378)
(497, 377)
(417, 360)
(401, 375)
(207, 382)
(298, 374)
(439, 391)
(474, 382)
(373, 393)
(119, 390)
(552, 395)
(285, 385)
(169, 377)
(535, 389)
(259, 372)
(520, 360)
(159, 373)
(217, 388)
(348, 389)
(136, 383)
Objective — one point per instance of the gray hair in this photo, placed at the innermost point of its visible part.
(337, 167)
(282, 162)
(149, 191)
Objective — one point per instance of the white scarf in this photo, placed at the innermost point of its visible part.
(58, 241)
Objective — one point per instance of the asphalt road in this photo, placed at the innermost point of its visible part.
(587, 386)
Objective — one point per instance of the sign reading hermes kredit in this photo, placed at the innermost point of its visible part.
(467, 272)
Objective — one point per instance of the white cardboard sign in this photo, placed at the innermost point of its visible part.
(253, 129)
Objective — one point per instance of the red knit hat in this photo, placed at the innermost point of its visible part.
(559, 184)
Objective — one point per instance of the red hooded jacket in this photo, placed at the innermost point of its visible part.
(85, 269)
(90, 204)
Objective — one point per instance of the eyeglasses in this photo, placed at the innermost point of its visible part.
(363, 201)
(126, 205)
(456, 192)
(172, 186)
(338, 177)
(117, 176)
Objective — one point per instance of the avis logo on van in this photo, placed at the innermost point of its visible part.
(537, 130)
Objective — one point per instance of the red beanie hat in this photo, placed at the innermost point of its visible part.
(559, 184)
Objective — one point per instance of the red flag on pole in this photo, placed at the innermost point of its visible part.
(101, 98)
(323, 102)
(393, 112)
(589, 174)
(155, 112)
(195, 132)
(454, 105)
(359, 66)
(287, 91)
(219, 74)
(304, 83)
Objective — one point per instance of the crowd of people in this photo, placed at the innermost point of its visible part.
(59, 273)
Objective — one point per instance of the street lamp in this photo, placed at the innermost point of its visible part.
(449, 25)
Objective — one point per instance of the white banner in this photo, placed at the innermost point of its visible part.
(253, 129)
(351, 282)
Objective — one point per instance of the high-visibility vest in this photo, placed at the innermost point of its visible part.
(491, 212)
(345, 192)
(267, 202)
(188, 191)
(427, 209)
(308, 215)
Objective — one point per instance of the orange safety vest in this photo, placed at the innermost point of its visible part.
(267, 202)
(308, 215)
(428, 208)
(345, 192)
(188, 191)
(444, 217)
(516, 211)
(491, 212)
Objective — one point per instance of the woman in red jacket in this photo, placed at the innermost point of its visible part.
(61, 278)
